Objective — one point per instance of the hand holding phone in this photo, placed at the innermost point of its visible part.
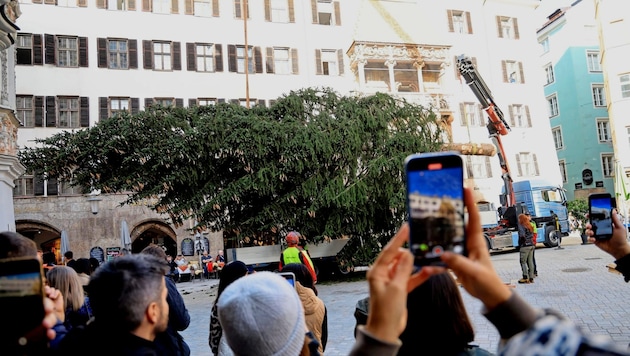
(600, 215)
(435, 206)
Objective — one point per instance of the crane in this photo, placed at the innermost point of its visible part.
(497, 126)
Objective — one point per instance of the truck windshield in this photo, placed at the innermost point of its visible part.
(552, 196)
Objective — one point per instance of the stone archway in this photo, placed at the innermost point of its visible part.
(46, 237)
(154, 232)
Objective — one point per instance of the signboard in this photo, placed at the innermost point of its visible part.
(98, 253)
(578, 185)
(188, 247)
(112, 252)
(599, 184)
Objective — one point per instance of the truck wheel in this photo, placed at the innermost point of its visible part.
(551, 239)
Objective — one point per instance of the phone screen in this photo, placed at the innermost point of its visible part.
(600, 210)
(435, 203)
(289, 276)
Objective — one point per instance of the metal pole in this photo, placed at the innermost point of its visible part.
(245, 15)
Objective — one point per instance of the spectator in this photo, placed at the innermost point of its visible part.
(69, 259)
(231, 272)
(219, 261)
(75, 304)
(82, 267)
(205, 259)
(93, 265)
(128, 297)
(526, 248)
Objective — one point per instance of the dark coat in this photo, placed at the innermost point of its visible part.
(170, 342)
(525, 236)
(108, 341)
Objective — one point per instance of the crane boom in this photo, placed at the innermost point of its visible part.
(497, 126)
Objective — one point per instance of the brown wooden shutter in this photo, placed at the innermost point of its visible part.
(37, 1)
(261, 102)
(529, 118)
(133, 53)
(232, 58)
(455, 67)
(103, 108)
(192, 103)
(191, 60)
(314, 11)
(469, 171)
(51, 111)
(237, 9)
(221, 101)
(175, 6)
(511, 111)
(131, 5)
(295, 65)
(38, 50)
(218, 58)
(148, 102)
(101, 48)
(267, 10)
(235, 101)
(515, 23)
(83, 52)
(520, 69)
(337, 13)
(469, 22)
(505, 73)
(101, 4)
(82, 3)
(318, 62)
(449, 15)
(270, 63)
(499, 27)
(215, 8)
(518, 165)
(258, 61)
(135, 105)
(52, 187)
(50, 57)
(147, 50)
(189, 7)
(177, 56)
(38, 103)
(462, 111)
(340, 60)
(536, 164)
(146, 5)
(179, 103)
(84, 115)
(291, 11)
(488, 167)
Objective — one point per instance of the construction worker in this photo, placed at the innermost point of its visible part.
(533, 223)
(294, 254)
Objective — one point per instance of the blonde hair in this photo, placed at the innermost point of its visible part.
(66, 280)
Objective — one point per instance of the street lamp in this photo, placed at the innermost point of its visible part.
(93, 199)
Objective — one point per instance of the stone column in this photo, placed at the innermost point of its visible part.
(10, 168)
(361, 72)
(419, 66)
(390, 63)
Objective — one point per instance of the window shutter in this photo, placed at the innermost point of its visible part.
(261, 102)
(449, 15)
(505, 75)
(175, 6)
(37, 1)
(314, 11)
(469, 22)
(232, 58)
(51, 186)
(469, 171)
(482, 118)
(131, 5)
(147, 49)
(215, 8)
(103, 108)
(177, 56)
(499, 27)
(221, 101)
(101, 4)
(50, 49)
(82, 3)
(188, 7)
(488, 168)
(511, 111)
(218, 58)
(148, 102)
(146, 5)
(179, 103)
(135, 105)
(83, 52)
(462, 111)
(318, 61)
(51, 111)
(237, 9)
(191, 63)
(518, 165)
(515, 23)
(39, 110)
(340, 59)
(291, 11)
(38, 184)
(192, 103)
(84, 115)
(258, 61)
(234, 101)
(520, 69)
(337, 13)
(38, 50)
(536, 164)
(455, 67)
(294, 61)
(270, 63)
(529, 119)
(133, 53)
(101, 48)
(267, 10)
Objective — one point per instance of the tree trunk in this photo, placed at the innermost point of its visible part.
(472, 149)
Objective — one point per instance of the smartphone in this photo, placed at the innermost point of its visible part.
(289, 276)
(435, 206)
(22, 299)
(600, 208)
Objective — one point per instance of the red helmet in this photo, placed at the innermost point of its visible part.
(293, 238)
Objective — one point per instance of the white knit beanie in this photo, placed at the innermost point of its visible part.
(261, 314)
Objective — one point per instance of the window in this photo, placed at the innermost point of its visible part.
(406, 77)
(24, 186)
(237, 55)
(240, 59)
(593, 62)
(118, 105)
(117, 5)
(545, 44)
(66, 188)
(552, 102)
(519, 116)
(556, 132)
(471, 114)
(608, 167)
(166, 102)
(624, 81)
(377, 75)
(279, 11)
(68, 112)
(34, 185)
(507, 27)
(67, 3)
(238, 9)
(527, 164)
(329, 62)
(326, 12)
(118, 54)
(24, 49)
(202, 8)
(478, 167)
(603, 130)
(161, 6)
(281, 61)
(512, 72)
(24, 108)
(431, 73)
(599, 98)
(459, 21)
(67, 51)
(563, 170)
(204, 55)
(549, 74)
(206, 101)
(162, 56)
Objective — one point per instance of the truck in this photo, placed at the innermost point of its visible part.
(545, 201)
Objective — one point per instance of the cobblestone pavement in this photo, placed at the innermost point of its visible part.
(573, 280)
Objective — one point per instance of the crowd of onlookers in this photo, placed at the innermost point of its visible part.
(130, 306)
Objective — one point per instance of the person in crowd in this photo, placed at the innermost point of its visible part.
(524, 330)
(262, 314)
(69, 259)
(172, 266)
(76, 305)
(183, 268)
(535, 240)
(49, 260)
(170, 342)
(556, 225)
(205, 259)
(93, 265)
(526, 248)
(231, 272)
(314, 308)
(83, 269)
(129, 302)
(219, 261)
(617, 246)
(293, 254)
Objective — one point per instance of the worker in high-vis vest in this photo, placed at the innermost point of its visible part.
(294, 254)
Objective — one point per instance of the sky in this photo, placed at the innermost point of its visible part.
(443, 182)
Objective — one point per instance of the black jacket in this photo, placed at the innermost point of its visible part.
(170, 342)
